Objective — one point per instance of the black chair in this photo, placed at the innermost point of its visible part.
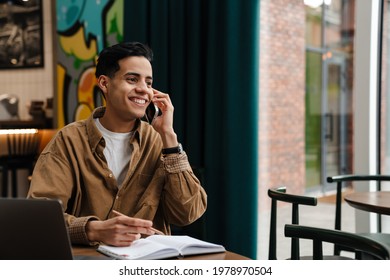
(359, 244)
(21, 153)
(279, 194)
(341, 182)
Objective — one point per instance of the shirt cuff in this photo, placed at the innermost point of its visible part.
(77, 231)
(176, 163)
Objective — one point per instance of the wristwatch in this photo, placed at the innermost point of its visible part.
(174, 150)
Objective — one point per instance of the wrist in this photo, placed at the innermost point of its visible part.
(90, 230)
(169, 140)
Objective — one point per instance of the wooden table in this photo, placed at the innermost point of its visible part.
(377, 202)
(91, 252)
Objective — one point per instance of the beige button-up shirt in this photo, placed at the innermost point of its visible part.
(73, 169)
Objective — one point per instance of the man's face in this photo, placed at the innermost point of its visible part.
(129, 92)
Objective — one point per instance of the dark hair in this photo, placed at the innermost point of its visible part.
(107, 63)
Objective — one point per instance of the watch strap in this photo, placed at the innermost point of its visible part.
(174, 150)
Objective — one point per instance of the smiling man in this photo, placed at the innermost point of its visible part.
(115, 163)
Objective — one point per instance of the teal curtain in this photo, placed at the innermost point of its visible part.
(206, 58)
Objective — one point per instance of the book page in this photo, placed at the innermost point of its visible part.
(187, 245)
(142, 249)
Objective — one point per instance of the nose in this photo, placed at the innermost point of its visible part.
(143, 88)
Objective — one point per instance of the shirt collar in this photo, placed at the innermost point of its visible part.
(94, 134)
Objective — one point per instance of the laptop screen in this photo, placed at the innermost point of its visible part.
(33, 229)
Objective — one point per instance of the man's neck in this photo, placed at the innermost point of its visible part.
(116, 125)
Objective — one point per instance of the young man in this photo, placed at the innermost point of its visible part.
(114, 162)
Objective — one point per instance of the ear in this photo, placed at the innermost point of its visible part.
(102, 83)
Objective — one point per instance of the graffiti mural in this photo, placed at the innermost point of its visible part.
(84, 28)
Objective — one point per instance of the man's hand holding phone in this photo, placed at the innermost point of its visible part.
(163, 123)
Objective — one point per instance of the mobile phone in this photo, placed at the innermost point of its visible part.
(152, 112)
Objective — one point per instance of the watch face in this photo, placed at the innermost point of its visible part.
(180, 148)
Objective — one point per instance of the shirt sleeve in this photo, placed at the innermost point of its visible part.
(176, 163)
(184, 198)
(77, 228)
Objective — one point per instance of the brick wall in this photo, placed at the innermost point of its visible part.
(282, 97)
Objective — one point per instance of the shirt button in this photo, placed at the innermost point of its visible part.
(110, 175)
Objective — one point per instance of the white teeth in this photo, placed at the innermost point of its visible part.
(139, 101)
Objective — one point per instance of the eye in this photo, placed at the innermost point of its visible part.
(149, 83)
(132, 80)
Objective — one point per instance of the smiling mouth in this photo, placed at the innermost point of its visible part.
(138, 101)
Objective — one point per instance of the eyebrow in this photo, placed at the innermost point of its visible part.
(137, 74)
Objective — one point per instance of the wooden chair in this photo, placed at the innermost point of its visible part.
(341, 180)
(354, 242)
(279, 194)
(20, 153)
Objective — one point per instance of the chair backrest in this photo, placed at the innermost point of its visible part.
(356, 242)
(279, 194)
(339, 180)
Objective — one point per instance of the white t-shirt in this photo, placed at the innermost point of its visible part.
(117, 151)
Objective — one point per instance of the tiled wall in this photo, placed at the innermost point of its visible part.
(34, 83)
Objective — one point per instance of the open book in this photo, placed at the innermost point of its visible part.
(157, 247)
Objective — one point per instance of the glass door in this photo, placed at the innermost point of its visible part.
(328, 119)
(329, 72)
(313, 120)
(336, 147)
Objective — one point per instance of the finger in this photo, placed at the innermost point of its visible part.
(159, 96)
(123, 243)
(141, 226)
(157, 92)
(163, 97)
(134, 225)
(126, 239)
(140, 230)
(134, 222)
(138, 225)
(132, 237)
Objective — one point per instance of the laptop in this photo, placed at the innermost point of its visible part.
(33, 229)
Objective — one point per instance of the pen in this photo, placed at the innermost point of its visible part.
(156, 231)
